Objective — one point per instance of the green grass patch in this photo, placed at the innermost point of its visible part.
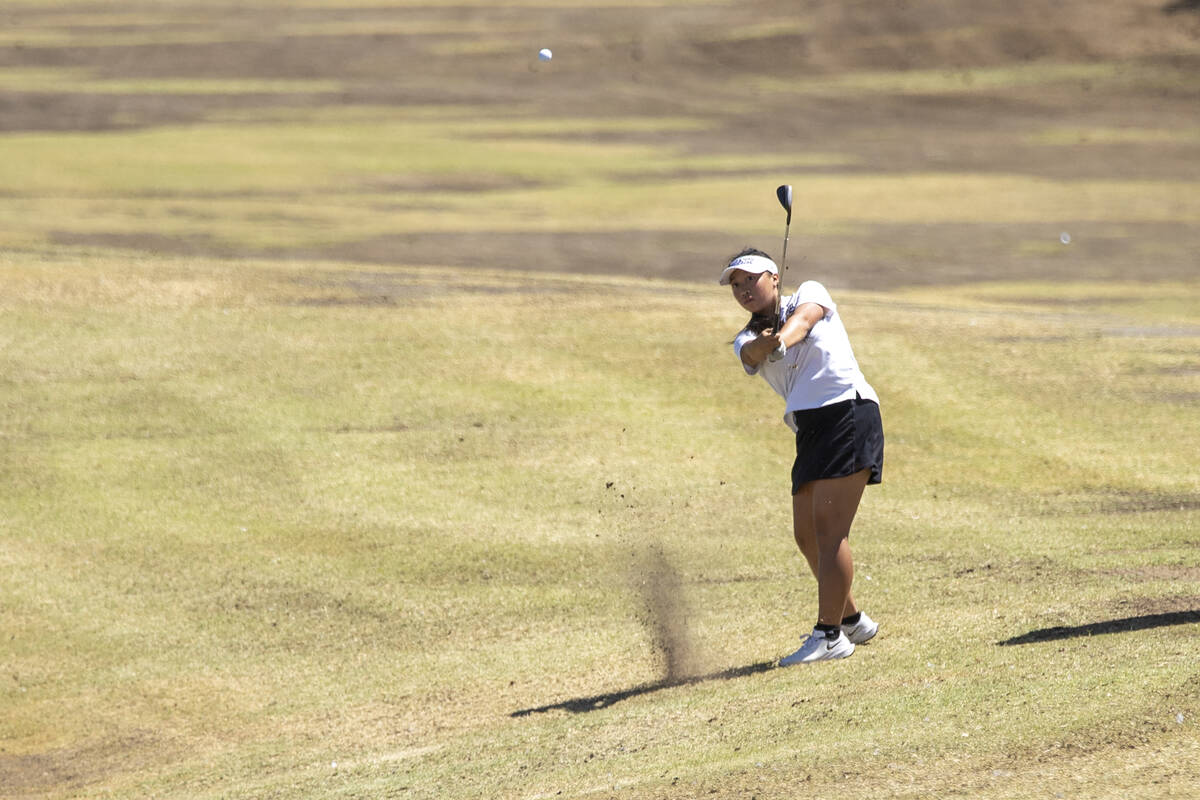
(1075, 137)
(1014, 76)
(354, 174)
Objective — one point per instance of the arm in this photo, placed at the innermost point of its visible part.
(800, 323)
(794, 330)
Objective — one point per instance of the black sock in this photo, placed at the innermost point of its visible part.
(852, 619)
(830, 631)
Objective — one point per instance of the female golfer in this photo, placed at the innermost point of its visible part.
(839, 435)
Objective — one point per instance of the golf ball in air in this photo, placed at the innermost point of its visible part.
(1065, 238)
(544, 54)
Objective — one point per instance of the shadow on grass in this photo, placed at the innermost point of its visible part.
(1109, 626)
(582, 705)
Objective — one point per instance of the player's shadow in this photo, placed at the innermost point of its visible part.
(1123, 625)
(582, 705)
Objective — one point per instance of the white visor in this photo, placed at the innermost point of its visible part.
(753, 264)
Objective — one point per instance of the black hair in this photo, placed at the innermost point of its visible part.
(758, 322)
(749, 251)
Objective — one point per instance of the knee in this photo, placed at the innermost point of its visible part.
(808, 547)
(830, 543)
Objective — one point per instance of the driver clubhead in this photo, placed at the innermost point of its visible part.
(784, 193)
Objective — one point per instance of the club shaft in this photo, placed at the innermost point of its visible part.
(787, 232)
(784, 194)
(783, 261)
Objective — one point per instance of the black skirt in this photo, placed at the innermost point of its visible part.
(838, 440)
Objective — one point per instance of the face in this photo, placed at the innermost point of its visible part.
(754, 291)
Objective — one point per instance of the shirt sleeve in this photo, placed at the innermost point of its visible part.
(814, 292)
(744, 337)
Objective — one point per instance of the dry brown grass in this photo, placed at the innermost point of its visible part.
(237, 547)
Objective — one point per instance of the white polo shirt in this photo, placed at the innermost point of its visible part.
(819, 370)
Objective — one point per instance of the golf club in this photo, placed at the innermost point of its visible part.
(784, 193)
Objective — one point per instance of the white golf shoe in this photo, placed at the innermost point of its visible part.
(862, 631)
(819, 647)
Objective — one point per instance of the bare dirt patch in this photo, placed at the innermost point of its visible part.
(1180, 606)
(1121, 502)
(1164, 572)
(72, 768)
(873, 257)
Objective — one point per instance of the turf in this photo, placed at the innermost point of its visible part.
(259, 524)
(371, 429)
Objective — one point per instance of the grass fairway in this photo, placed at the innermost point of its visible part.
(287, 531)
(370, 427)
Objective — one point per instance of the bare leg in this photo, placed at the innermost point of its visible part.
(822, 513)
